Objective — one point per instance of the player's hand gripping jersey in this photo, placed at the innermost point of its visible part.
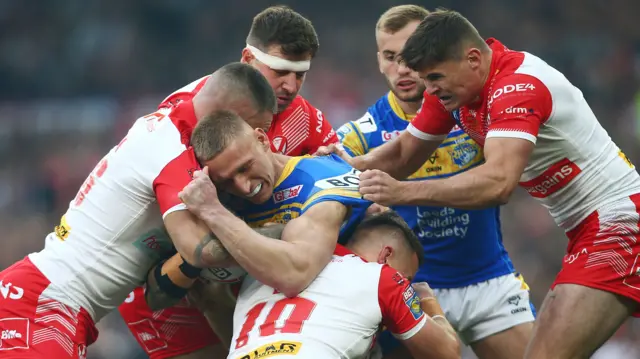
(307, 181)
(575, 166)
(304, 182)
(337, 316)
(575, 170)
(299, 130)
(447, 234)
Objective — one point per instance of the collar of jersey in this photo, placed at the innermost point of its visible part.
(395, 107)
(497, 49)
(288, 168)
(185, 113)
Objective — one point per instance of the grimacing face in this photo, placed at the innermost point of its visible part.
(286, 84)
(245, 168)
(456, 82)
(405, 84)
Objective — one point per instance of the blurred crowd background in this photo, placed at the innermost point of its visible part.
(75, 74)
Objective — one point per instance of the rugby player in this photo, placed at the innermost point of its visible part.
(125, 217)
(537, 131)
(482, 296)
(281, 44)
(339, 314)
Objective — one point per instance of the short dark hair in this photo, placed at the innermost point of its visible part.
(397, 17)
(392, 219)
(280, 25)
(215, 132)
(245, 80)
(440, 37)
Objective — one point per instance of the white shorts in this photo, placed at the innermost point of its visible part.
(486, 308)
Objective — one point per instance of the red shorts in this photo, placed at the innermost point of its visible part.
(604, 251)
(178, 330)
(34, 326)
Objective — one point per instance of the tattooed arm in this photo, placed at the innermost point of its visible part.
(161, 293)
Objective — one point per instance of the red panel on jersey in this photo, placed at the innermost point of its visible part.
(519, 104)
(173, 178)
(432, 118)
(300, 129)
(399, 303)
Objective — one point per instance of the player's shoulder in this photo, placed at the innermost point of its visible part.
(300, 106)
(184, 93)
(324, 166)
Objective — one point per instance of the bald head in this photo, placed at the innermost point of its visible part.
(239, 88)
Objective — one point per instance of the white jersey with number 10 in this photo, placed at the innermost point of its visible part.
(337, 316)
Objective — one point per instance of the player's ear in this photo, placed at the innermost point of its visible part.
(247, 56)
(262, 137)
(384, 254)
(474, 58)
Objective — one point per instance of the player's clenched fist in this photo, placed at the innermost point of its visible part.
(379, 187)
(200, 194)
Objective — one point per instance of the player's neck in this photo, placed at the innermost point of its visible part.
(279, 163)
(409, 108)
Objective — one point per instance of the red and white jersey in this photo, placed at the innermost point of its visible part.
(575, 167)
(113, 231)
(337, 316)
(298, 130)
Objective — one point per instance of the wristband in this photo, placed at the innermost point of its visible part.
(166, 285)
(188, 270)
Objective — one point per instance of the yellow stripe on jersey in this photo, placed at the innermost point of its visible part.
(351, 193)
(523, 284)
(294, 206)
(288, 169)
(395, 106)
(62, 230)
(282, 217)
(353, 140)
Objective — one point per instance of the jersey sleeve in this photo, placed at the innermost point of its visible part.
(519, 105)
(172, 179)
(432, 122)
(399, 304)
(321, 133)
(352, 139)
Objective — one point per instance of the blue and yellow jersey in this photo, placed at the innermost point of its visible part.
(305, 182)
(462, 247)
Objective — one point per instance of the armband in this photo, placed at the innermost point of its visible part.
(167, 286)
(188, 270)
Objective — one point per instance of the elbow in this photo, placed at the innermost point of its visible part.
(293, 285)
(503, 192)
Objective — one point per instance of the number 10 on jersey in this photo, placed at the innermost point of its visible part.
(286, 316)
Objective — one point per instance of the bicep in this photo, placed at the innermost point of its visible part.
(317, 229)
(507, 157)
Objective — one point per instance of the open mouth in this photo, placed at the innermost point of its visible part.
(255, 191)
(405, 85)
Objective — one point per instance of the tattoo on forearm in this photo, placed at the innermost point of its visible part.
(210, 250)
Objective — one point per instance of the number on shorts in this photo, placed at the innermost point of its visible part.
(296, 311)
